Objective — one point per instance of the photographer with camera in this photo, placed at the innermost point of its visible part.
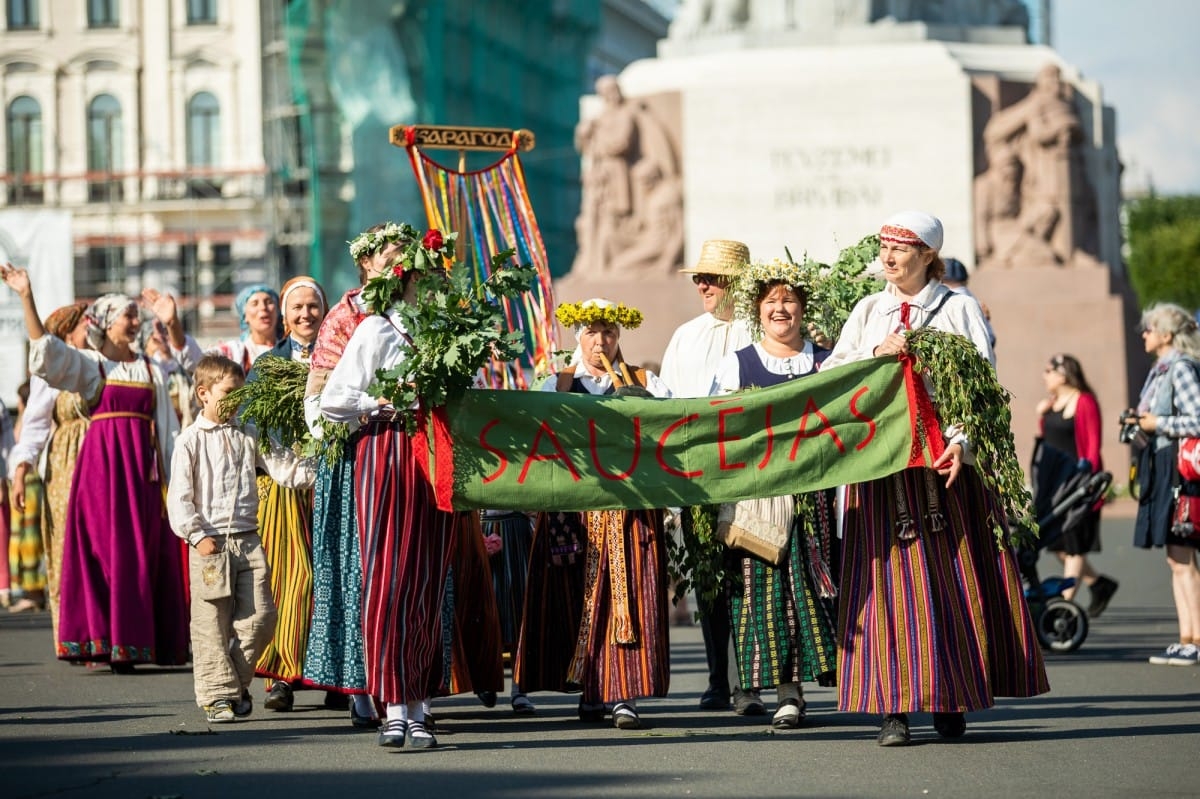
(1169, 410)
(1070, 422)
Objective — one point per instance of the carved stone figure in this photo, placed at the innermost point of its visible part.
(631, 214)
(1027, 200)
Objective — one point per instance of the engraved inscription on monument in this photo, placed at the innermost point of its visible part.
(827, 177)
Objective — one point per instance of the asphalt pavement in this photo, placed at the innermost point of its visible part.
(1112, 726)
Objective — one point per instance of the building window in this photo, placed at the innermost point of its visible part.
(102, 13)
(203, 143)
(25, 150)
(104, 272)
(22, 15)
(104, 148)
(202, 12)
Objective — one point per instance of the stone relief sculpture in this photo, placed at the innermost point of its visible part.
(709, 16)
(696, 18)
(1030, 203)
(631, 214)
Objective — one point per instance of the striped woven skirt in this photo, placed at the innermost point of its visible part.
(25, 544)
(622, 651)
(509, 568)
(783, 630)
(406, 545)
(476, 661)
(552, 606)
(937, 622)
(285, 526)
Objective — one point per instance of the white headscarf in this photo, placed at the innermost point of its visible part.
(913, 227)
(101, 315)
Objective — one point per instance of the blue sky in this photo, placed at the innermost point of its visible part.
(1145, 55)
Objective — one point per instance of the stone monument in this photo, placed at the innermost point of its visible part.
(804, 123)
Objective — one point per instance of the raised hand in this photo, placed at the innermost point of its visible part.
(17, 279)
(161, 305)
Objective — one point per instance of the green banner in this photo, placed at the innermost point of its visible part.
(531, 450)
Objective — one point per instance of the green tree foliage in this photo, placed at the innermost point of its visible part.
(1164, 250)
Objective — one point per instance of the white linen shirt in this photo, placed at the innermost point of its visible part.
(874, 317)
(878, 315)
(601, 384)
(213, 490)
(375, 345)
(696, 350)
(36, 425)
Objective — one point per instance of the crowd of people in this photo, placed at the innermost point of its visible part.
(170, 532)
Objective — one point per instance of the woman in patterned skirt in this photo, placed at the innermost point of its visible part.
(334, 657)
(404, 539)
(783, 616)
(620, 646)
(285, 519)
(931, 615)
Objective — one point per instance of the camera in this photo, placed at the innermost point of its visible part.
(1130, 432)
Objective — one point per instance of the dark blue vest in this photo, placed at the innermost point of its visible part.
(751, 371)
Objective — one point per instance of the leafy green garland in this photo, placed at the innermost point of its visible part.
(967, 393)
(455, 328)
(697, 560)
(273, 401)
(835, 289)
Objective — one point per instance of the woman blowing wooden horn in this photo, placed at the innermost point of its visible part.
(612, 640)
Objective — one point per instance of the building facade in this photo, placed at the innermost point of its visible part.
(143, 120)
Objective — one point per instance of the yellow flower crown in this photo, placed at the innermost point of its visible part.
(583, 314)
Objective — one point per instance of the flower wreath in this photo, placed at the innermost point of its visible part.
(421, 255)
(584, 314)
(372, 241)
(753, 276)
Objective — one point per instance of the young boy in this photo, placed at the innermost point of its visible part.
(212, 502)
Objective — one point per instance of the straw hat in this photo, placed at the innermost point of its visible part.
(720, 257)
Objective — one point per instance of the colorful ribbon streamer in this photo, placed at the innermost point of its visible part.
(491, 211)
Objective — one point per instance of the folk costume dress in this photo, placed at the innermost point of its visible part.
(509, 568)
(285, 527)
(406, 543)
(620, 646)
(334, 656)
(931, 614)
(471, 623)
(783, 617)
(122, 596)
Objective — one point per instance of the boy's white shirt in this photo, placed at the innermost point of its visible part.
(213, 490)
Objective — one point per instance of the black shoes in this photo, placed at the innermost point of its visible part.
(1102, 591)
(488, 698)
(393, 733)
(748, 703)
(715, 699)
(335, 700)
(894, 731)
(590, 712)
(950, 725)
(280, 697)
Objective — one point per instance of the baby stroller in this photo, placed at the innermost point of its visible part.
(1064, 490)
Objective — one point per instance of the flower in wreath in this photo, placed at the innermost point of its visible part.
(756, 277)
(420, 254)
(578, 315)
